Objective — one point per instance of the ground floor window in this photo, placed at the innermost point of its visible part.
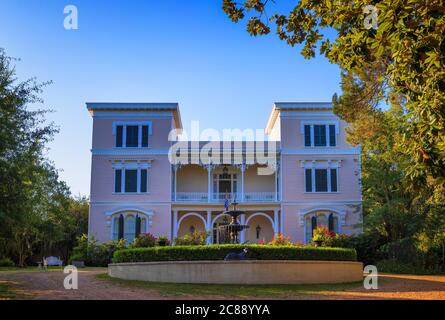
(128, 227)
(325, 219)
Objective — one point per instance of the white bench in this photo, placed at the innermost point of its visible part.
(52, 261)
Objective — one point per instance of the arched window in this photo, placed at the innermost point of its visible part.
(130, 228)
(128, 225)
(320, 219)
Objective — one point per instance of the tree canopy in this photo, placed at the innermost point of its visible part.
(406, 54)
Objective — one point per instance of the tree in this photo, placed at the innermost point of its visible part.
(37, 213)
(406, 52)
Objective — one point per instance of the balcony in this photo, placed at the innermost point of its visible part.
(220, 197)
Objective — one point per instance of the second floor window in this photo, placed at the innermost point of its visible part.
(130, 180)
(321, 180)
(320, 135)
(132, 135)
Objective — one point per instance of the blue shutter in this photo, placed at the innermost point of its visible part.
(131, 177)
(137, 232)
(308, 180)
(119, 132)
(144, 137)
(331, 223)
(121, 227)
(144, 180)
(332, 140)
(118, 181)
(307, 135)
(334, 180)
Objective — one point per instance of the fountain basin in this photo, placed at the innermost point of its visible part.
(241, 272)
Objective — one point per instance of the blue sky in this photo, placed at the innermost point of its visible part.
(152, 50)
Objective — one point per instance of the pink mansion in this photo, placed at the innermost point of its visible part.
(144, 181)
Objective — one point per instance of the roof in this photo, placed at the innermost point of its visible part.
(138, 106)
(294, 106)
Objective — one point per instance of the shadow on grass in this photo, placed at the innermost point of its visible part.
(229, 290)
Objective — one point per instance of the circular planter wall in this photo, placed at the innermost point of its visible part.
(240, 272)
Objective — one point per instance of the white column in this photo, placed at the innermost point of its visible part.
(209, 183)
(276, 180)
(275, 221)
(243, 233)
(175, 168)
(209, 227)
(175, 225)
(243, 169)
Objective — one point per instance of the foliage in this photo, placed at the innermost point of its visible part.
(321, 234)
(406, 54)
(6, 262)
(163, 241)
(195, 238)
(95, 254)
(218, 252)
(280, 240)
(38, 216)
(144, 241)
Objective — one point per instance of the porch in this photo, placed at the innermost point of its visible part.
(214, 183)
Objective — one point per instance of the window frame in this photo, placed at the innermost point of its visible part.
(140, 125)
(123, 167)
(326, 124)
(312, 166)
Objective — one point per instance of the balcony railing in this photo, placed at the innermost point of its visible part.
(220, 197)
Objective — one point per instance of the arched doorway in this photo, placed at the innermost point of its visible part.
(261, 228)
(190, 223)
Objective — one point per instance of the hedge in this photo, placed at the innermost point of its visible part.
(218, 252)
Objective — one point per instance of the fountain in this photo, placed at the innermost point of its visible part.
(234, 227)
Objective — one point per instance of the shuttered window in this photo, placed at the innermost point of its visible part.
(321, 180)
(319, 135)
(132, 136)
(131, 177)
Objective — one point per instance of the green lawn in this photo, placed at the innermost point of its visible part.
(241, 291)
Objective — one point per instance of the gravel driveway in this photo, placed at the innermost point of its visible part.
(49, 285)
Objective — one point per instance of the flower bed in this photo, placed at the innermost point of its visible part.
(218, 252)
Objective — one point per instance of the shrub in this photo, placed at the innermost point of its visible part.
(322, 234)
(94, 254)
(218, 252)
(163, 241)
(6, 262)
(144, 241)
(194, 239)
(280, 240)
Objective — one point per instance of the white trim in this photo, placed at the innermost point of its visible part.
(322, 151)
(111, 215)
